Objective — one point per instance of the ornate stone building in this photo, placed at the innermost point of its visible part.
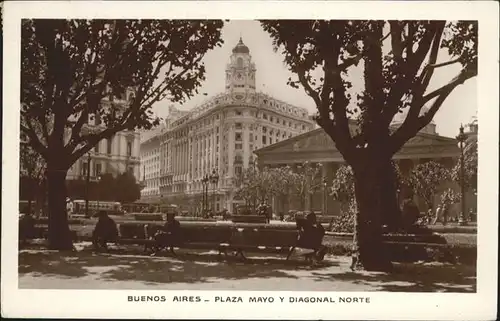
(220, 135)
(317, 147)
(116, 155)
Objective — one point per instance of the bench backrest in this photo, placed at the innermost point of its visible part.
(149, 217)
(206, 234)
(132, 231)
(248, 219)
(264, 237)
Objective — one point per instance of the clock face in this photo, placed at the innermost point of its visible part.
(239, 96)
(239, 76)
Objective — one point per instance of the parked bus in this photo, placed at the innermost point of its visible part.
(136, 207)
(112, 208)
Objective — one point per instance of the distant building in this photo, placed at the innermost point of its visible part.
(116, 155)
(316, 147)
(220, 135)
(150, 163)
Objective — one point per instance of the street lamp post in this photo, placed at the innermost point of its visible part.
(87, 186)
(98, 190)
(325, 202)
(214, 178)
(205, 182)
(461, 143)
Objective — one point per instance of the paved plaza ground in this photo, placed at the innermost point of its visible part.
(202, 271)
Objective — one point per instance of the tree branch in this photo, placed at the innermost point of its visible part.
(458, 80)
(33, 139)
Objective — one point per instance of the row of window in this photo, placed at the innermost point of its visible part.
(96, 168)
(109, 147)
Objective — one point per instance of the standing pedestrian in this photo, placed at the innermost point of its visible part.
(445, 212)
(438, 215)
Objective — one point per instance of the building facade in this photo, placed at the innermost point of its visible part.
(220, 136)
(316, 147)
(150, 164)
(116, 155)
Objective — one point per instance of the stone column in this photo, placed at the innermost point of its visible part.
(246, 145)
(307, 201)
(231, 151)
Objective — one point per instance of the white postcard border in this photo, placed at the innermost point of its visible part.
(113, 303)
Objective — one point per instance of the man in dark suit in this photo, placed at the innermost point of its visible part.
(105, 231)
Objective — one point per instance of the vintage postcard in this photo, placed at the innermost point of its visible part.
(250, 160)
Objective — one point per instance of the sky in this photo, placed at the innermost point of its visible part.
(272, 75)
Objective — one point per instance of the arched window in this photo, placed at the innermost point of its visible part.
(239, 62)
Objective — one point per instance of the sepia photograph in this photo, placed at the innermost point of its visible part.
(298, 155)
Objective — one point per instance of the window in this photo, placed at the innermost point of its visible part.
(264, 140)
(109, 145)
(264, 129)
(98, 169)
(264, 116)
(84, 168)
(270, 140)
(271, 119)
(96, 148)
(129, 148)
(237, 137)
(237, 171)
(239, 62)
(238, 113)
(237, 125)
(238, 146)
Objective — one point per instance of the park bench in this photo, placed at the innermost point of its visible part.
(248, 219)
(276, 241)
(148, 217)
(196, 237)
(193, 237)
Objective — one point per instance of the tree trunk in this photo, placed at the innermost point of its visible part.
(391, 215)
(59, 233)
(371, 190)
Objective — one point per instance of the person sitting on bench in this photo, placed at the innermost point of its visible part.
(311, 235)
(105, 231)
(170, 235)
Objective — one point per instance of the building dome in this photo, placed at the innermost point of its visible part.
(241, 48)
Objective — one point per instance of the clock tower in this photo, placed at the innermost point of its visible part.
(240, 73)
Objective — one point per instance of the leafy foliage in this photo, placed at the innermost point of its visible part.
(305, 180)
(122, 188)
(342, 189)
(426, 178)
(129, 190)
(109, 72)
(470, 165)
(261, 185)
(31, 162)
(450, 197)
(114, 70)
(398, 60)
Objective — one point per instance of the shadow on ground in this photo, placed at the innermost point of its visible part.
(187, 267)
(416, 277)
(203, 267)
